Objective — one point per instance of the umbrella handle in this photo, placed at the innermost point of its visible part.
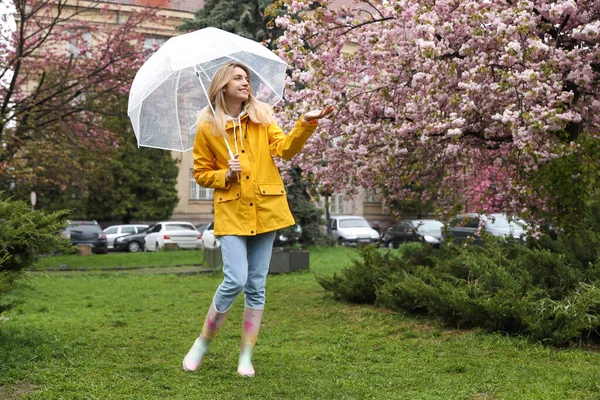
(236, 156)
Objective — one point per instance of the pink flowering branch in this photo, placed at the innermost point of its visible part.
(447, 100)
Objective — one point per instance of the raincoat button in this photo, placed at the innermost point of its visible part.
(220, 198)
(238, 195)
(243, 151)
(247, 177)
(264, 191)
(282, 191)
(250, 204)
(251, 231)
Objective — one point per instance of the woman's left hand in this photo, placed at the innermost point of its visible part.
(317, 114)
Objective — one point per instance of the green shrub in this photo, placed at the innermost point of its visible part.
(358, 284)
(327, 241)
(549, 290)
(305, 213)
(24, 236)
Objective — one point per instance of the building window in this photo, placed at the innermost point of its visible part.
(336, 204)
(153, 43)
(80, 41)
(321, 202)
(371, 196)
(198, 192)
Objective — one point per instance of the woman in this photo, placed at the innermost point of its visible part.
(233, 153)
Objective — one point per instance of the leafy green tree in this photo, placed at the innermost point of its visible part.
(248, 19)
(305, 213)
(120, 182)
(569, 184)
(138, 183)
(142, 185)
(59, 171)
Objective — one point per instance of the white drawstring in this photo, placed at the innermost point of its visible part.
(234, 135)
(241, 138)
(239, 124)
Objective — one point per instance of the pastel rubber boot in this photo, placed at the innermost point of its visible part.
(213, 322)
(250, 328)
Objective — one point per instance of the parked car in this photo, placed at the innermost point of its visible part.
(464, 227)
(202, 227)
(115, 231)
(288, 236)
(414, 230)
(184, 234)
(86, 232)
(133, 242)
(209, 240)
(352, 229)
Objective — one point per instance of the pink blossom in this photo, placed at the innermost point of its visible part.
(465, 100)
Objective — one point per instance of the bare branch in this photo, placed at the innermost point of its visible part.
(373, 7)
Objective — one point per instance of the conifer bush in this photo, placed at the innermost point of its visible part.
(548, 290)
(25, 234)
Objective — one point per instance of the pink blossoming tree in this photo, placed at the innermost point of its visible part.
(490, 102)
(62, 70)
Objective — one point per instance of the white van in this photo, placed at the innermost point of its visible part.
(115, 231)
(352, 229)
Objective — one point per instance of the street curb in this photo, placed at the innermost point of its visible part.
(66, 268)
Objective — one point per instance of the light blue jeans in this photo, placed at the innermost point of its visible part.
(245, 265)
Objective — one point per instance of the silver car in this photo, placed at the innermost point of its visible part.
(183, 234)
(472, 226)
(352, 229)
(115, 231)
(209, 240)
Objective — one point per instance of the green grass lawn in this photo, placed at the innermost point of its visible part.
(123, 336)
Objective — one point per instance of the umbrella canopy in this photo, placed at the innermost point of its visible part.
(171, 88)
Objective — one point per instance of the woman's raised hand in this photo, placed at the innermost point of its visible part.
(317, 114)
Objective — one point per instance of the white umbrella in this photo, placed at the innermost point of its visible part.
(170, 89)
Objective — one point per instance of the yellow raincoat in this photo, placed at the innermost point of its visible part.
(257, 202)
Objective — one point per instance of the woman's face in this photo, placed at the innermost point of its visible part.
(238, 88)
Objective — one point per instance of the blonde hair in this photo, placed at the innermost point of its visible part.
(259, 112)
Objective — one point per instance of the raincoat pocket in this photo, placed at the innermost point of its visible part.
(271, 189)
(223, 195)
